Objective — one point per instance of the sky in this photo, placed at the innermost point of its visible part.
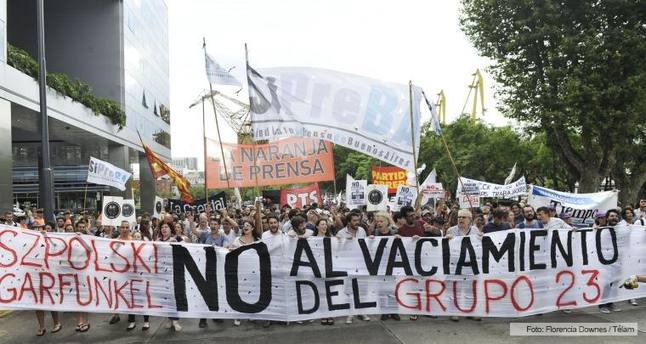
(391, 41)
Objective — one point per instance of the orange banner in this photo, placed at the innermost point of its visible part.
(289, 161)
(389, 175)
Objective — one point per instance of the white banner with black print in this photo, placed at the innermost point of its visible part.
(503, 274)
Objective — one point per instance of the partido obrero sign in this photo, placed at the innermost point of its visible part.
(513, 273)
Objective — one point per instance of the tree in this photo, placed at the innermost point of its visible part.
(571, 69)
(488, 153)
(356, 164)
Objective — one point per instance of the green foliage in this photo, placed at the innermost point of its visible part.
(356, 164)
(569, 69)
(77, 90)
(486, 153)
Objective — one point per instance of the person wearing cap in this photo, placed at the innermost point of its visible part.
(599, 220)
(567, 218)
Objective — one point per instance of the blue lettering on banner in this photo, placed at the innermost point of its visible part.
(537, 190)
(382, 103)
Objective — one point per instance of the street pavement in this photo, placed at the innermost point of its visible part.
(20, 327)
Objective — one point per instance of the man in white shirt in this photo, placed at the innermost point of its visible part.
(464, 226)
(352, 228)
(274, 236)
(543, 214)
(350, 231)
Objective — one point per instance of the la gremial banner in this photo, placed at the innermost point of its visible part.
(287, 161)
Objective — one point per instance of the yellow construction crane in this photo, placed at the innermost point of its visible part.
(477, 87)
(440, 104)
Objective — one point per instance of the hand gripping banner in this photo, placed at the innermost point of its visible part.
(504, 274)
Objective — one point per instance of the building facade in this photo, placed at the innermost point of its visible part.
(120, 49)
(187, 163)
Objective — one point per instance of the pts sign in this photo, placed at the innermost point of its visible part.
(297, 198)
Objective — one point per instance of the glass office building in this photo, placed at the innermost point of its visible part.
(119, 48)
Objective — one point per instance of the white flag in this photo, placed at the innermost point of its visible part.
(511, 175)
(367, 115)
(218, 75)
(104, 173)
(435, 122)
(431, 178)
(236, 192)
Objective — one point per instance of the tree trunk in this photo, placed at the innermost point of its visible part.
(589, 181)
(629, 187)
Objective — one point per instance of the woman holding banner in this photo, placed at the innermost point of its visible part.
(247, 237)
(384, 226)
(165, 235)
(40, 315)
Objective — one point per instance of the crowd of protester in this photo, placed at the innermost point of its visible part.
(232, 228)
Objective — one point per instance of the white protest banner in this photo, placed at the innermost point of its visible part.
(104, 173)
(367, 115)
(503, 274)
(158, 206)
(111, 211)
(580, 207)
(405, 196)
(483, 189)
(377, 197)
(128, 212)
(355, 192)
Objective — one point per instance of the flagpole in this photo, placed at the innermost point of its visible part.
(206, 190)
(217, 124)
(253, 141)
(455, 168)
(85, 195)
(412, 135)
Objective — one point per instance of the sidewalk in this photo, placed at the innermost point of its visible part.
(20, 327)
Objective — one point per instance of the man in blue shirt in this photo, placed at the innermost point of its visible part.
(530, 219)
(499, 222)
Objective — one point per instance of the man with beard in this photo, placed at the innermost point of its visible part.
(413, 227)
(612, 219)
(530, 219)
(274, 236)
(274, 239)
(519, 217)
